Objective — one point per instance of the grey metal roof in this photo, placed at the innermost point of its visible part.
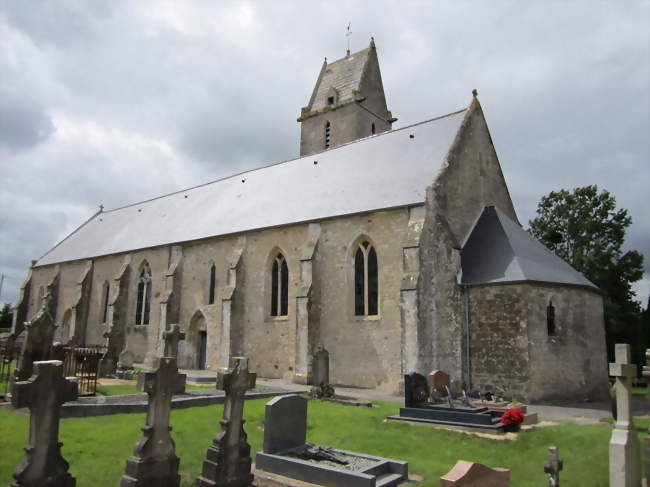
(382, 171)
(344, 75)
(499, 250)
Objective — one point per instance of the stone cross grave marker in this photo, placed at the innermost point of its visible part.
(38, 340)
(472, 474)
(154, 461)
(285, 423)
(228, 460)
(172, 337)
(552, 467)
(624, 467)
(43, 394)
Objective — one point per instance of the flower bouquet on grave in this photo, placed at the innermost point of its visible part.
(512, 419)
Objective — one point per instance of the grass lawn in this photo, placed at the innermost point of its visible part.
(98, 447)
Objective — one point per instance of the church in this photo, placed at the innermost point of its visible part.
(397, 250)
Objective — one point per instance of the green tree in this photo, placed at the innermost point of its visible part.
(585, 228)
(6, 314)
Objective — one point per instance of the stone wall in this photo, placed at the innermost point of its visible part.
(512, 351)
(469, 180)
(270, 342)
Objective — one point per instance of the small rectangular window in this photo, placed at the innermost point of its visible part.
(330, 100)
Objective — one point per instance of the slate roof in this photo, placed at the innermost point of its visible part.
(344, 75)
(498, 250)
(387, 170)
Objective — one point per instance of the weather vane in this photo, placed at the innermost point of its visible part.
(348, 34)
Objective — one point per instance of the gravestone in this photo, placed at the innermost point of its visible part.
(172, 337)
(285, 423)
(472, 474)
(321, 374)
(286, 453)
(416, 390)
(646, 374)
(552, 467)
(438, 381)
(154, 461)
(228, 461)
(38, 340)
(43, 394)
(624, 467)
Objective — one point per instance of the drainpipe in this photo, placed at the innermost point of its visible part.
(467, 362)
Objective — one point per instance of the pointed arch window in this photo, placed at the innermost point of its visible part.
(213, 284)
(372, 127)
(279, 286)
(550, 319)
(143, 305)
(328, 134)
(366, 282)
(103, 310)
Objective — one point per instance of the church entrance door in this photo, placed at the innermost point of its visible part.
(203, 345)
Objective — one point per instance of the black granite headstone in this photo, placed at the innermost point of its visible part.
(285, 423)
(416, 390)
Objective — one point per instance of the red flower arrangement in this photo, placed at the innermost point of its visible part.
(513, 417)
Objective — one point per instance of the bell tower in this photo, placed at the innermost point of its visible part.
(347, 103)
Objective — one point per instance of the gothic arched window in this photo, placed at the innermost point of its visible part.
(103, 309)
(373, 127)
(143, 305)
(366, 282)
(550, 318)
(213, 284)
(328, 134)
(279, 286)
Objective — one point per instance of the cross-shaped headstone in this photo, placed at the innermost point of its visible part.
(154, 461)
(646, 374)
(228, 461)
(43, 394)
(172, 337)
(624, 467)
(552, 467)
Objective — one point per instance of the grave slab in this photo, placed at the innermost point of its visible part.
(472, 474)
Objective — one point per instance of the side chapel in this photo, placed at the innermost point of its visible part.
(398, 250)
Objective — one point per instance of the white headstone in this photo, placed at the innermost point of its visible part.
(624, 462)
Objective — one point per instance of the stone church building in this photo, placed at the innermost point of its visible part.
(398, 250)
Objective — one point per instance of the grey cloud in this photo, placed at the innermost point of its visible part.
(23, 123)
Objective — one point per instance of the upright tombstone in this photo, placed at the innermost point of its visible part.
(285, 423)
(552, 467)
(624, 467)
(439, 382)
(228, 460)
(43, 394)
(154, 461)
(416, 390)
(321, 374)
(171, 338)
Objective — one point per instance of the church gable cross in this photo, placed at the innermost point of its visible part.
(43, 394)
(154, 461)
(172, 337)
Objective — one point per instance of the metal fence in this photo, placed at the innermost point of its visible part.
(79, 362)
(8, 358)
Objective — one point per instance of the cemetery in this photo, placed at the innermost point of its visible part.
(235, 436)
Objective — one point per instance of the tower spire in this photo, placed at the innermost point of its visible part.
(347, 35)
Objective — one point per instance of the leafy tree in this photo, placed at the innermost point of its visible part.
(585, 228)
(6, 314)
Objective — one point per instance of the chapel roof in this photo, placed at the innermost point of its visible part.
(344, 75)
(383, 171)
(498, 250)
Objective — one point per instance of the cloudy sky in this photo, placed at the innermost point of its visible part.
(116, 102)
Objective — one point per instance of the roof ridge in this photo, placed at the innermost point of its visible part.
(388, 132)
